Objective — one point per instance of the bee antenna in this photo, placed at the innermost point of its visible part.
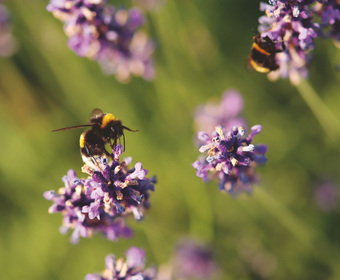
(129, 129)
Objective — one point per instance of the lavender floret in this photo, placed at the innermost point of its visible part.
(107, 34)
(100, 202)
(132, 268)
(231, 158)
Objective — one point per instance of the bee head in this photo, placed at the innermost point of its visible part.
(116, 129)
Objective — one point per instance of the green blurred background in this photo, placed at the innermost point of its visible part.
(278, 232)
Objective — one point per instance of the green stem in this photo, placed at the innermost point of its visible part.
(324, 116)
(157, 238)
(299, 230)
(312, 239)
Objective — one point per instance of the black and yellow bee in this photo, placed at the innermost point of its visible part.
(105, 129)
(263, 51)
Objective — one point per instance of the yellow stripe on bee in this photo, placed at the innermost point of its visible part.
(259, 49)
(106, 119)
(258, 68)
(82, 141)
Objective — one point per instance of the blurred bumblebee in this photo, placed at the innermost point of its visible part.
(262, 57)
(105, 129)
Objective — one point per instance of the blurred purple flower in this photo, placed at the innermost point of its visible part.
(150, 5)
(327, 196)
(100, 202)
(193, 260)
(329, 11)
(8, 44)
(130, 269)
(108, 35)
(231, 159)
(226, 113)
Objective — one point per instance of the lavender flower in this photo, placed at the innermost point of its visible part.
(290, 23)
(108, 35)
(329, 12)
(231, 158)
(193, 260)
(130, 269)
(100, 202)
(327, 196)
(226, 113)
(150, 5)
(7, 42)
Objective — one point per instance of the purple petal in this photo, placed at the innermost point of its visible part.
(261, 149)
(93, 277)
(138, 173)
(110, 262)
(203, 136)
(49, 195)
(256, 129)
(232, 103)
(136, 18)
(135, 258)
(260, 159)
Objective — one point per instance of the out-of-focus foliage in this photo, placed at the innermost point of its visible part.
(278, 232)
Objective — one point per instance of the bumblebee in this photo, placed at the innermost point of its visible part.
(263, 51)
(105, 129)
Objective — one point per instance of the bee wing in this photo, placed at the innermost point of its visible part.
(248, 65)
(72, 127)
(96, 113)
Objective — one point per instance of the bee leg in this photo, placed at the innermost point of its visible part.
(112, 145)
(283, 46)
(88, 154)
(108, 155)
